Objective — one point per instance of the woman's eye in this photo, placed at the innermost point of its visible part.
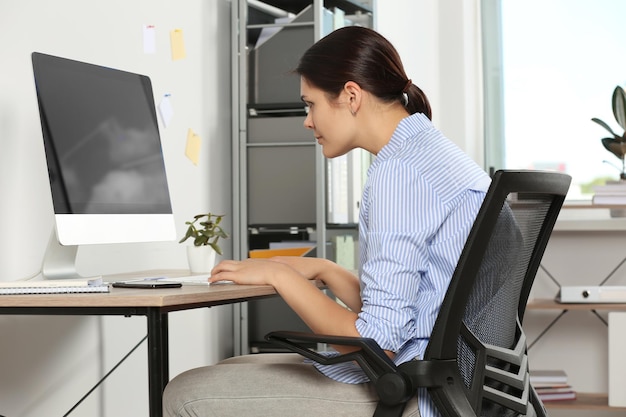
(307, 108)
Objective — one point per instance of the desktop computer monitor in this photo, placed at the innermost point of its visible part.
(105, 161)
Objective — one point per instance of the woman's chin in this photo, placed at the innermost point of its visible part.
(330, 153)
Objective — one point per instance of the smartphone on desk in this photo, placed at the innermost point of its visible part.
(147, 284)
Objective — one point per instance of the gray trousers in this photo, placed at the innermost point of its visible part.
(267, 385)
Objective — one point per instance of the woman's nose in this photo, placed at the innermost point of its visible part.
(308, 122)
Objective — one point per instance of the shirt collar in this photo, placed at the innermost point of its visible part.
(408, 127)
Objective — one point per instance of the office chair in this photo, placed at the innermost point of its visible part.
(476, 362)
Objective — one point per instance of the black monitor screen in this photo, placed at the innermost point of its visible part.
(101, 139)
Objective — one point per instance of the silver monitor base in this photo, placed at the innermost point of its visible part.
(60, 261)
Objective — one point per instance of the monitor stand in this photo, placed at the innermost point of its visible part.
(60, 261)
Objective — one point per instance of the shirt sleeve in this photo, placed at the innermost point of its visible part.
(404, 212)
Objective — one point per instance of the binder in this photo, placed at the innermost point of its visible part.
(268, 253)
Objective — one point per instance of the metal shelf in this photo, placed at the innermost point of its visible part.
(584, 401)
(295, 6)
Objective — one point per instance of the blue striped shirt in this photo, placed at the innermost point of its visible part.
(419, 203)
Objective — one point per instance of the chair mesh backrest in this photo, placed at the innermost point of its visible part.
(479, 323)
(488, 314)
(491, 313)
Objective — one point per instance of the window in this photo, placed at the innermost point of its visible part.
(550, 66)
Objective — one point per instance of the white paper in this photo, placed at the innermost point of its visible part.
(166, 111)
(149, 39)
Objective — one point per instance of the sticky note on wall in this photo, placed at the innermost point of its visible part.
(178, 44)
(166, 111)
(192, 149)
(149, 39)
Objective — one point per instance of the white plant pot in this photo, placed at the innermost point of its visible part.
(201, 259)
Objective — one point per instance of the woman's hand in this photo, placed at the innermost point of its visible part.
(340, 281)
(290, 276)
(251, 271)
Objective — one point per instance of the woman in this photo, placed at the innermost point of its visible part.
(419, 203)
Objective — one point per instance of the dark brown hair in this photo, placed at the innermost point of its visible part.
(362, 55)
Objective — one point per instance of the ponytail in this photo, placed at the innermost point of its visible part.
(417, 101)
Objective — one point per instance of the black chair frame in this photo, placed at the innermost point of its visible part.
(506, 384)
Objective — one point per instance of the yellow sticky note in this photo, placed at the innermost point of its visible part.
(192, 149)
(178, 44)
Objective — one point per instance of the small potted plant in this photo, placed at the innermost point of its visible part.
(205, 230)
(617, 143)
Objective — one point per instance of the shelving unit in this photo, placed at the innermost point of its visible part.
(269, 116)
(584, 401)
(547, 304)
(590, 229)
(279, 173)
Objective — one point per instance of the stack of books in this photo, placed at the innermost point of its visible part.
(552, 385)
(611, 193)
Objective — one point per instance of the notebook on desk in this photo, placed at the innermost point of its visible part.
(60, 286)
(592, 294)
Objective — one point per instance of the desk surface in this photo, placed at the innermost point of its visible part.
(190, 296)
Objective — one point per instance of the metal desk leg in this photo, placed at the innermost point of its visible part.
(158, 359)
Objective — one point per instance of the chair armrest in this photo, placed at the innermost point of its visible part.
(371, 349)
(392, 385)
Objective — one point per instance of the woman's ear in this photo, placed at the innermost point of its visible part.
(354, 95)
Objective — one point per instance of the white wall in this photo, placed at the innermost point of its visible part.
(48, 363)
(439, 42)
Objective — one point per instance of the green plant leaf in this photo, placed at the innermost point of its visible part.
(207, 231)
(604, 125)
(617, 148)
(200, 240)
(619, 106)
(188, 234)
(216, 248)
